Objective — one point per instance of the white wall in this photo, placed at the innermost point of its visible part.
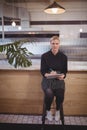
(34, 11)
(74, 11)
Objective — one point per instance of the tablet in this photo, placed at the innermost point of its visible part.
(51, 76)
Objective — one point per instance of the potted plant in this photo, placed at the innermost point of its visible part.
(16, 54)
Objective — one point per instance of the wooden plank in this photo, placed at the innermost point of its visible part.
(20, 92)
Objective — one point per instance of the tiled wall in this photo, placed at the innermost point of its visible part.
(75, 49)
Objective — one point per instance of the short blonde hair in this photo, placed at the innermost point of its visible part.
(54, 38)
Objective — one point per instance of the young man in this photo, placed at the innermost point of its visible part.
(53, 69)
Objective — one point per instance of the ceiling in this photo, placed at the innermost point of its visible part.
(17, 1)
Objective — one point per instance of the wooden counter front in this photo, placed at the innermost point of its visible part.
(21, 93)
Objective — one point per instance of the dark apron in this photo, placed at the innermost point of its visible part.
(52, 83)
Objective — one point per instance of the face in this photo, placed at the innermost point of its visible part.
(55, 45)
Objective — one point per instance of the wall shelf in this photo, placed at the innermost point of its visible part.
(17, 34)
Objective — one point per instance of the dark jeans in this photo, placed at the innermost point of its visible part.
(51, 91)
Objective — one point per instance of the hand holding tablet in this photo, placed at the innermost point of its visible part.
(51, 76)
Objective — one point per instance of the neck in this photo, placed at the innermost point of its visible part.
(54, 52)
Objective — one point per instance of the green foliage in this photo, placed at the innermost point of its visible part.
(16, 54)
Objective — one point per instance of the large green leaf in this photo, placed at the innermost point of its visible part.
(16, 54)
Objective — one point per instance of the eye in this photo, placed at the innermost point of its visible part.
(55, 43)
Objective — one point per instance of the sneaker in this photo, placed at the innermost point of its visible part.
(49, 116)
(57, 116)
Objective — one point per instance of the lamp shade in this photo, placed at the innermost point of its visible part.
(54, 8)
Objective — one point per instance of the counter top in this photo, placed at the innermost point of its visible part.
(72, 65)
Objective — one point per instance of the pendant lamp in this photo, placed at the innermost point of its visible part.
(54, 8)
